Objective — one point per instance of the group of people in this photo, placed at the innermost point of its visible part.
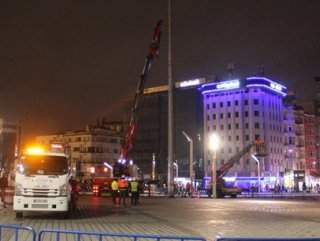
(3, 185)
(184, 191)
(121, 188)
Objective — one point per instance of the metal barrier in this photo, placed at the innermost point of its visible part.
(80, 236)
(268, 239)
(17, 231)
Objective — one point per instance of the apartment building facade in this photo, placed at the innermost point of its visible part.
(239, 112)
(94, 150)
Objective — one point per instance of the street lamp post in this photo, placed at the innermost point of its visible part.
(213, 146)
(110, 167)
(153, 166)
(258, 162)
(191, 158)
(177, 169)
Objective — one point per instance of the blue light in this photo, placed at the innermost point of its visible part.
(244, 83)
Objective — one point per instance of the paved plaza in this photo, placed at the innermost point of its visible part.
(208, 218)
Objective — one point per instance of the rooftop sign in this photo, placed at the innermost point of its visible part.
(244, 83)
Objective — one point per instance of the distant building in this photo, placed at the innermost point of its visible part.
(151, 139)
(239, 112)
(91, 147)
(9, 144)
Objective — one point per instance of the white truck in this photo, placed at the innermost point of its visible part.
(42, 182)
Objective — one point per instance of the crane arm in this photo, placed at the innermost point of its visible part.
(259, 148)
(154, 51)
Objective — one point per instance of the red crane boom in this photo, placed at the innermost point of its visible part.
(154, 50)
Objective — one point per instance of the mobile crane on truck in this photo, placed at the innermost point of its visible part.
(154, 51)
(222, 189)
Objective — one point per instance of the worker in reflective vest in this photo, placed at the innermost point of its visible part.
(134, 189)
(123, 189)
(114, 190)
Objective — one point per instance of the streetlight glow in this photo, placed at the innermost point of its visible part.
(213, 142)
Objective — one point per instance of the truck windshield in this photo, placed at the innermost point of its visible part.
(43, 165)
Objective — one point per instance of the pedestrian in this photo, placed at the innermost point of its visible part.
(134, 189)
(189, 189)
(75, 189)
(123, 189)
(3, 187)
(253, 189)
(114, 190)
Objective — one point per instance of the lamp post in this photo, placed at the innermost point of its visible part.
(177, 169)
(191, 158)
(110, 167)
(258, 162)
(213, 146)
(153, 166)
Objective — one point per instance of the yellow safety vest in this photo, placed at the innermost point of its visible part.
(134, 186)
(114, 185)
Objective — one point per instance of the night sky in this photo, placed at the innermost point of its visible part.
(66, 63)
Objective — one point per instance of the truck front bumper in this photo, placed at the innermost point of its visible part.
(48, 204)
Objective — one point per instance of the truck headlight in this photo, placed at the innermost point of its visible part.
(18, 189)
(64, 190)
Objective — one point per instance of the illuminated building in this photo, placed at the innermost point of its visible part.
(239, 112)
(90, 147)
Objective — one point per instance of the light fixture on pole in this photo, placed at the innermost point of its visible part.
(177, 169)
(153, 166)
(213, 146)
(258, 162)
(191, 158)
(110, 167)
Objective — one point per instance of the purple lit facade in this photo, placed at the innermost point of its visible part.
(239, 111)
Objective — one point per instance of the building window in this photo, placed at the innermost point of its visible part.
(246, 114)
(229, 115)
(236, 103)
(214, 116)
(236, 114)
(229, 138)
(221, 115)
(213, 105)
(256, 102)
(256, 125)
(247, 125)
(247, 137)
(237, 126)
(245, 102)
(221, 104)
(237, 138)
(229, 103)
(256, 113)
(229, 126)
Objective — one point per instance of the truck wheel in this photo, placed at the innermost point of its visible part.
(19, 215)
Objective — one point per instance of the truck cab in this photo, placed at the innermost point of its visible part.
(42, 182)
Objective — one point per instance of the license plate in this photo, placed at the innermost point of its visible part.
(40, 201)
